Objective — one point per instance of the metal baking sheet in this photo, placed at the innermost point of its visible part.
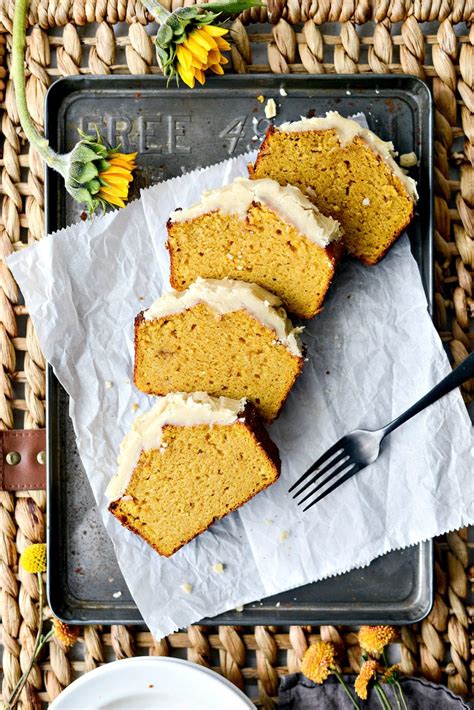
(177, 130)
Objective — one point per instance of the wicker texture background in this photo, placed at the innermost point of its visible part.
(392, 39)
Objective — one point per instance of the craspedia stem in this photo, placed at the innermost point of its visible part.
(38, 141)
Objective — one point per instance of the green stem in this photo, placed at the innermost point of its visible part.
(39, 643)
(382, 697)
(402, 694)
(157, 10)
(346, 689)
(18, 75)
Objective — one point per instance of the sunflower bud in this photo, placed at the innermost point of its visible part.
(96, 175)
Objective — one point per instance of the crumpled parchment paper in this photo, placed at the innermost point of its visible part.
(371, 353)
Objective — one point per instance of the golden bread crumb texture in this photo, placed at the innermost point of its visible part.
(351, 182)
(262, 249)
(197, 475)
(230, 354)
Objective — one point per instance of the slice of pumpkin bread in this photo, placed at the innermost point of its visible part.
(224, 337)
(189, 461)
(260, 232)
(349, 174)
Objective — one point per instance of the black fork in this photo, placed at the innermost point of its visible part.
(360, 447)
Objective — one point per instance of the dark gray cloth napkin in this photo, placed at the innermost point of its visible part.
(298, 693)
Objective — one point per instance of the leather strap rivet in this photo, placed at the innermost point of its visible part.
(41, 457)
(13, 458)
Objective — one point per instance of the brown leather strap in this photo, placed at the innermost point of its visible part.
(22, 459)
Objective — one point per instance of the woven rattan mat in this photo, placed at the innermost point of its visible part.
(430, 39)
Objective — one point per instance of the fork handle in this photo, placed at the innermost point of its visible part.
(460, 374)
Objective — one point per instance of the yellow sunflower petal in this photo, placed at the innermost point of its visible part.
(187, 75)
(216, 68)
(214, 30)
(120, 163)
(127, 157)
(200, 76)
(204, 40)
(111, 198)
(222, 44)
(184, 56)
(196, 50)
(116, 183)
(117, 171)
(223, 60)
(214, 56)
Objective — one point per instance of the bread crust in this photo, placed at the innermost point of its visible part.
(369, 262)
(254, 425)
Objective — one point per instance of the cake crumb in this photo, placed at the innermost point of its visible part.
(108, 384)
(277, 604)
(117, 595)
(254, 138)
(127, 381)
(187, 588)
(239, 608)
(218, 568)
(150, 685)
(268, 521)
(366, 201)
(270, 109)
(408, 160)
(284, 535)
(260, 98)
(135, 406)
(283, 92)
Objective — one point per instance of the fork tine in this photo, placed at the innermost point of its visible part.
(320, 473)
(335, 485)
(322, 459)
(332, 474)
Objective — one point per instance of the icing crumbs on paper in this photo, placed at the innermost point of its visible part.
(284, 535)
(268, 521)
(108, 384)
(270, 109)
(187, 588)
(218, 568)
(135, 406)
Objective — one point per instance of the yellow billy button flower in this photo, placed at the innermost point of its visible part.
(366, 673)
(189, 42)
(66, 634)
(33, 558)
(318, 661)
(373, 639)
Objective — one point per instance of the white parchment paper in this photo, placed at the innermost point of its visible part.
(372, 352)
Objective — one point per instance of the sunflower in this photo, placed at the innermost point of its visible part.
(200, 51)
(318, 661)
(33, 558)
(366, 673)
(115, 178)
(373, 639)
